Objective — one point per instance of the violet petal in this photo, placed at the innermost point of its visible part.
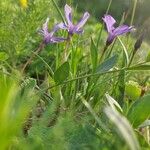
(110, 38)
(62, 26)
(68, 14)
(57, 39)
(121, 30)
(83, 20)
(110, 21)
(45, 27)
(79, 31)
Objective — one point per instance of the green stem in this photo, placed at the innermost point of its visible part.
(66, 47)
(131, 59)
(133, 12)
(96, 74)
(59, 11)
(41, 46)
(49, 68)
(103, 52)
(101, 29)
(113, 44)
(109, 5)
(86, 76)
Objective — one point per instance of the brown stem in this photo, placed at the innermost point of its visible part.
(39, 49)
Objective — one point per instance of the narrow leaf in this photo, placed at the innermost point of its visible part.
(88, 106)
(112, 102)
(94, 55)
(62, 73)
(108, 64)
(140, 67)
(123, 127)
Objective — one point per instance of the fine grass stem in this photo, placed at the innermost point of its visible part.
(101, 29)
(40, 48)
(58, 10)
(133, 12)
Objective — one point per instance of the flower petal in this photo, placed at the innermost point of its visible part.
(68, 14)
(62, 26)
(110, 39)
(57, 27)
(79, 31)
(83, 20)
(110, 21)
(57, 39)
(122, 29)
(44, 30)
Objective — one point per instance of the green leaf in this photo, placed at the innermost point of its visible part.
(113, 103)
(119, 88)
(108, 64)
(94, 55)
(148, 57)
(139, 111)
(140, 67)
(62, 73)
(88, 106)
(123, 127)
(3, 56)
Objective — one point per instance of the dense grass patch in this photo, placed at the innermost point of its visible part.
(79, 92)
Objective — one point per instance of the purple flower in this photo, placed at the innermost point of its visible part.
(69, 24)
(49, 36)
(114, 32)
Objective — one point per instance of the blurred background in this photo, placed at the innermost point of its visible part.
(118, 8)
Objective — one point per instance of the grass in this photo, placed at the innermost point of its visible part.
(77, 102)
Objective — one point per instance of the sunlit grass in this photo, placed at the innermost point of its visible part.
(67, 97)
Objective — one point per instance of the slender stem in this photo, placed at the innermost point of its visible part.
(59, 11)
(95, 74)
(100, 33)
(103, 52)
(132, 56)
(100, 123)
(49, 68)
(86, 76)
(41, 46)
(133, 12)
(101, 29)
(113, 44)
(67, 46)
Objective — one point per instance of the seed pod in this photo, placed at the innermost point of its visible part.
(139, 42)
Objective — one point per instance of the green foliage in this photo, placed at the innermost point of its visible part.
(15, 104)
(123, 127)
(139, 111)
(56, 104)
(62, 73)
(107, 64)
(94, 55)
(3, 56)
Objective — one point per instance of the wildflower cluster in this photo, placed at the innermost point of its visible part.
(68, 25)
(78, 28)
